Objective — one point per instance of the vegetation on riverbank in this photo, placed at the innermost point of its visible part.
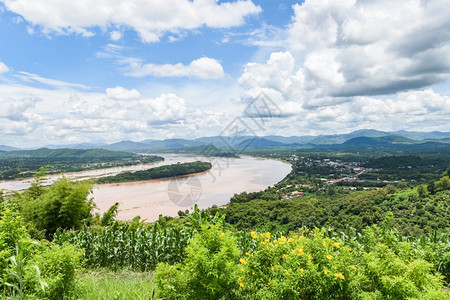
(24, 163)
(178, 169)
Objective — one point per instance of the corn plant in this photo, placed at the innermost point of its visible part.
(122, 245)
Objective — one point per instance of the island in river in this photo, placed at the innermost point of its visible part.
(178, 169)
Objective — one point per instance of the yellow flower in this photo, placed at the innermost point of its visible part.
(353, 268)
(309, 256)
(243, 261)
(326, 272)
(300, 252)
(241, 284)
(267, 235)
(324, 244)
(269, 283)
(329, 257)
(222, 235)
(338, 275)
(285, 256)
(240, 279)
(246, 253)
(287, 272)
(204, 285)
(242, 269)
(290, 240)
(254, 235)
(282, 240)
(301, 270)
(336, 245)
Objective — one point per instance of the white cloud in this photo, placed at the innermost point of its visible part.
(115, 35)
(14, 109)
(165, 108)
(351, 48)
(29, 77)
(205, 68)
(3, 68)
(151, 19)
(32, 116)
(120, 93)
(340, 54)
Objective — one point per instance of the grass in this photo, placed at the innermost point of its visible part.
(104, 284)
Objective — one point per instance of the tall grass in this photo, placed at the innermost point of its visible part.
(122, 285)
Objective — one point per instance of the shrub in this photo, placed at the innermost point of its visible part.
(57, 266)
(208, 272)
(310, 265)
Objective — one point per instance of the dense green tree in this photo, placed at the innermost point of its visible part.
(431, 187)
(64, 204)
(444, 183)
(421, 190)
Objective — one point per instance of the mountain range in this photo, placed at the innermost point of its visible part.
(360, 137)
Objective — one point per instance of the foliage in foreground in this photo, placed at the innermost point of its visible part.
(128, 246)
(121, 285)
(308, 265)
(31, 269)
(64, 204)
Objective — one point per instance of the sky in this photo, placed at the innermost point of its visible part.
(110, 70)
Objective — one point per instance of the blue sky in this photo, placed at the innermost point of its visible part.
(106, 71)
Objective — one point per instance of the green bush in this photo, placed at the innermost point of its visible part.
(64, 204)
(309, 265)
(208, 272)
(57, 266)
(30, 269)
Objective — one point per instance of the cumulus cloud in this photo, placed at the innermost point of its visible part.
(14, 109)
(3, 68)
(151, 19)
(353, 48)
(205, 68)
(167, 108)
(340, 55)
(121, 93)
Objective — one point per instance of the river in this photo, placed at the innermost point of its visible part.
(149, 199)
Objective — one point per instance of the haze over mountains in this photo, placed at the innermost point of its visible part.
(359, 137)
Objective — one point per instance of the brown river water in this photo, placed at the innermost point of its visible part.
(149, 199)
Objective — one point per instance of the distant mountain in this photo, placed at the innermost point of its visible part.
(175, 144)
(127, 146)
(258, 143)
(396, 139)
(341, 138)
(271, 141)
(7, 148)
(365, 141)
(415, 135)
(66, 153)
(291, 139)
(76, 146)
